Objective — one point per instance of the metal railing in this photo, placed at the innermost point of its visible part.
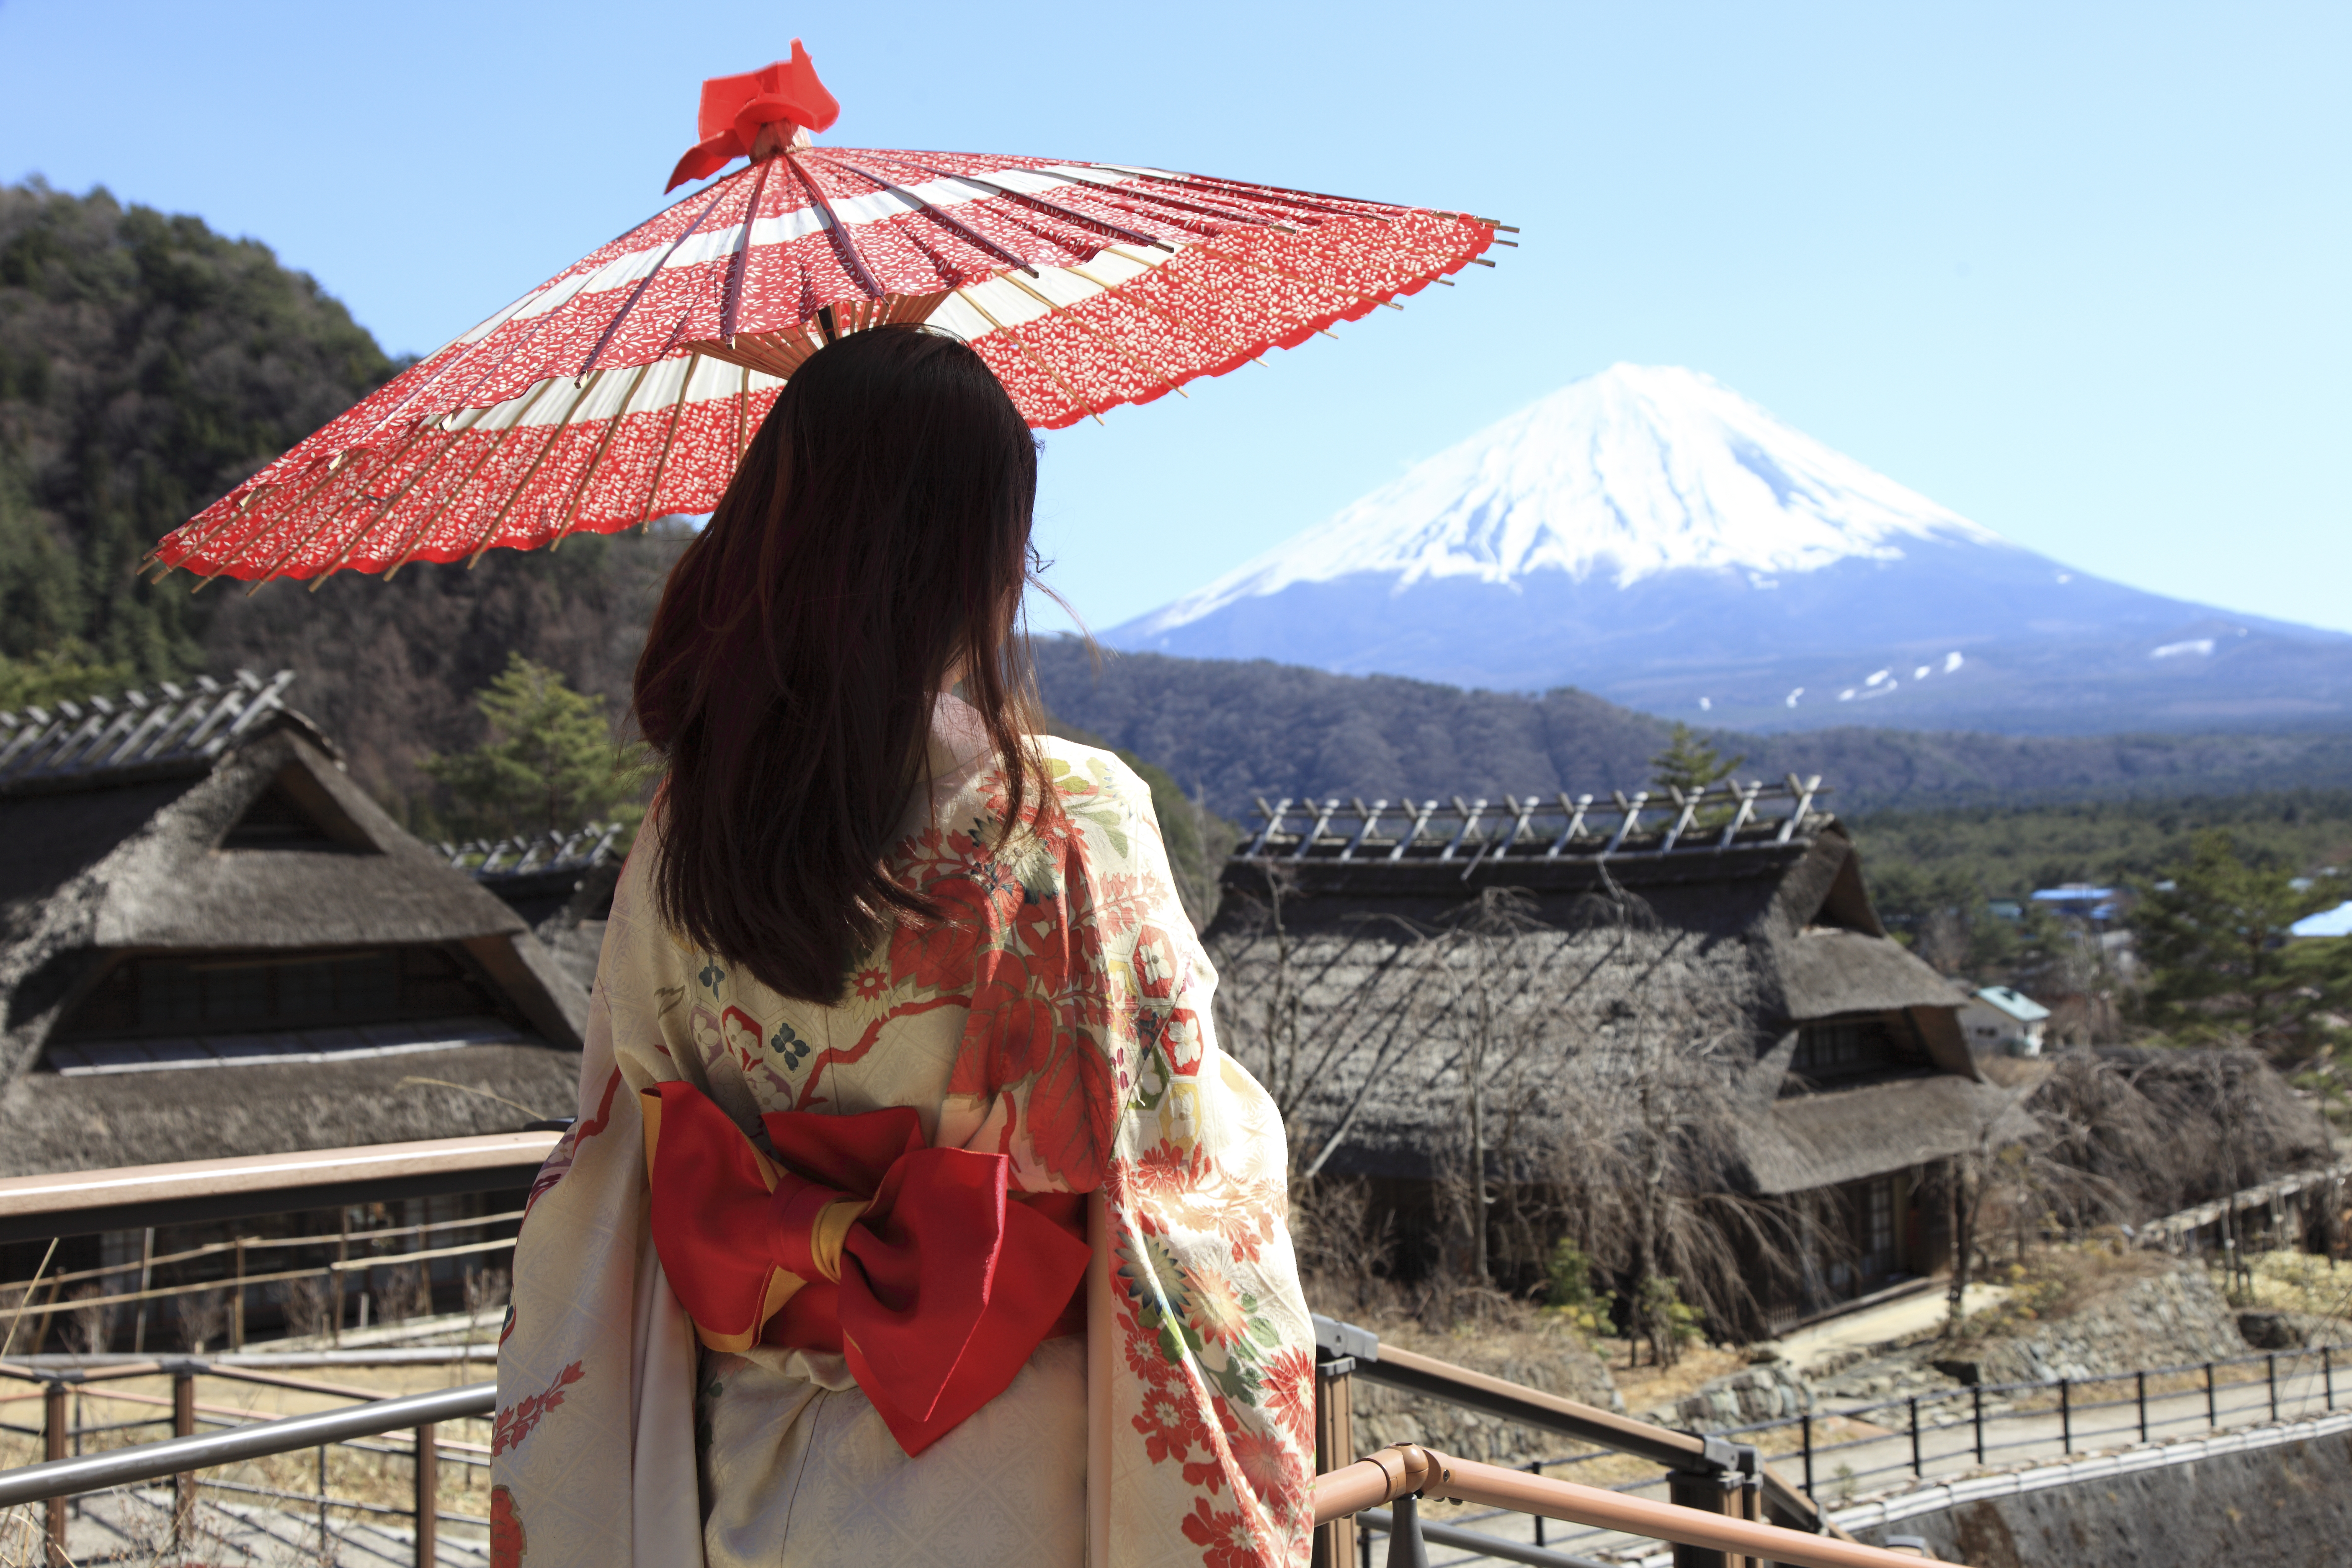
(1946, 1430)
(1839, 1453)
(1396, 1475)
(65, 1474)
(86, 1406)
(1404, 1475)
(1711, 1474)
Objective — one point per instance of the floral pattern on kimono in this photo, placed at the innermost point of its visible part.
(1057, 1012)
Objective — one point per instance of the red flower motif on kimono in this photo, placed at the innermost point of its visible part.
(1273, 1476)
(938, 954)
(1180, 1037)
(1214, 1308)
(1168, 1168)
(507, 1545)
(1225, 1537)
(1289, 1376)
(1157, 966)
(517, 1420)
(1170, 1422)
(1070, 1109)
(1013, 1013)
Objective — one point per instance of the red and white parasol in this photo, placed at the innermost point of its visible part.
(626, 387)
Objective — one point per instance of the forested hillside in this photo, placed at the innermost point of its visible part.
(147, 364)
(1238, 731)
(2006, 852)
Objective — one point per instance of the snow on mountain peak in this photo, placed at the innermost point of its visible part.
(1634, 471)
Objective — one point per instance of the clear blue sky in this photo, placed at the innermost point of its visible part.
(2077, 271)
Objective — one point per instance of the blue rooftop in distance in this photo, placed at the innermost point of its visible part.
(2016, 1003)
(2337, 921)
(2078, 898)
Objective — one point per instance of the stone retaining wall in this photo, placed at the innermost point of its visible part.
(2287, 1506)
(1766, 1391)
(2176, 1318)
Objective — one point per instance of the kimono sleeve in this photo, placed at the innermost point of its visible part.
(1210, 1354)
(593, 1456)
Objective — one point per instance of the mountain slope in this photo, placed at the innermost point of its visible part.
(147, 364)
(1232, 731)
(1649, 535)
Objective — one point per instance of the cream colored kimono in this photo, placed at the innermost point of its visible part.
(1059, 1016)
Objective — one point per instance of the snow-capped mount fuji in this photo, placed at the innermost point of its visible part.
(1651, 536)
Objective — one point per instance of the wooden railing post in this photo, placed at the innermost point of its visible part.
(53, 1447)
(183, 1424)
(1710, 1491)
(146, 1280)
(428, 1494)
(1335, 1449)
(236, 1307)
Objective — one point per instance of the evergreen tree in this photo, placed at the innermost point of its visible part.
(147, 364)
(550, 764)
(64, 671)
(1690, 764)
(2220, 963)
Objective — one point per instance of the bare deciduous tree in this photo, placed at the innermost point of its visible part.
(203, 1315)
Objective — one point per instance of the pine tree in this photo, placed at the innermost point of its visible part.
(551, 763)
(1689, 763)
(2220, 962)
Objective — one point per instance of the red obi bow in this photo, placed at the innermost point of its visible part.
(736, 107)
(861, 1238)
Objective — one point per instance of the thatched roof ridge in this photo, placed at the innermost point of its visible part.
(58, 1123)
(1809, 1141)
(168, 887)
(136, 735)
(1825, 971)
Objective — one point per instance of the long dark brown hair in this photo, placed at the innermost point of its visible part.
(875, 537)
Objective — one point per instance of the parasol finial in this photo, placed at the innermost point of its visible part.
(758, 114)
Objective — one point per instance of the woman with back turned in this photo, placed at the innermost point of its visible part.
(912, 1214)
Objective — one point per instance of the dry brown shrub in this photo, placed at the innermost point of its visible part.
(405, 1292)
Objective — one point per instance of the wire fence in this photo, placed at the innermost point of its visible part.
(344, 1272)
(1854, 1450)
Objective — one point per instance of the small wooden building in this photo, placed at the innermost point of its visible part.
(213, 946)
(1433, 989)
(216, 944)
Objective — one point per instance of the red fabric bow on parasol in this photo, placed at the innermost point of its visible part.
(911, 1262)
(627, 386)
(736, 108)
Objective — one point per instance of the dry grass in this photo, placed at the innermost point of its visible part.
(1647, 1387)
(2060, 1281)
(2298, 1282)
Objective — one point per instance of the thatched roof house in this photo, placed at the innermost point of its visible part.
(561, 883)
(212, 944)
(1576, 961)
